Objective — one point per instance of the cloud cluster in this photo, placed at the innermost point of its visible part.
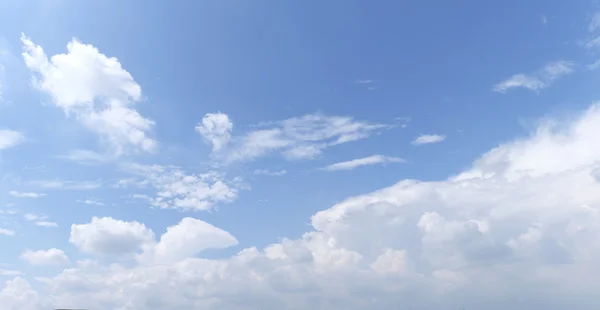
(517, 230)
(178, 190)
(94, 89)
(295, 138)
(536, 80)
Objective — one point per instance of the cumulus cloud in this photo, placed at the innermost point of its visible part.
(365, 161)
(521, 224)
(52, 256)
(111, 237)
(94, 89)
(10, 138)
(538, 80)
(26, 194)
(178, 190)
(295, 138)
(216, 128)
(428, 139)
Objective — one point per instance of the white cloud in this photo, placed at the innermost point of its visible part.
(365, 161)
(91, 202)
(7, 232)
(95, 90)
(67, 185)
(538, 80)
(46, 224)
(26, 194)
(107, 236)
(594, 23)
(269, 172)
(7, 272)
(18, 295)
(216, 128)
(295, 138)
(188, 238)
(52, 256)
(10, 138)
(178, 190)
(521, 224)
(428, 139)
(34, 217)
(86, 157)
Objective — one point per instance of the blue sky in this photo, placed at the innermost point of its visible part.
(428, 146)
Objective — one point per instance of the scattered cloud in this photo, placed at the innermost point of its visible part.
(523, 216)
(34, 217)
(428, 139)
(295, 138)
(86, 157)
(364, 81)
(67, 185)
(95, 90)
(26, 194)
(10, 138)
(178, 190)
(52, 256)
(269, 172)
(537, 80)
(594, 23)
(365, 161)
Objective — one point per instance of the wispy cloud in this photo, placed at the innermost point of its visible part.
(268, 172)
(297, 138)
(365, 161)
(46, 224)
(8, 272)
(537, 80)
(594, 23)
(10, 138)
(427, 139)
(7, 232)
(91, 202)
(67, 185)
(86, 157)
(364, 82)
(26, 194)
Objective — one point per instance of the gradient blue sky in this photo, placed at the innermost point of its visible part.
(466, 76)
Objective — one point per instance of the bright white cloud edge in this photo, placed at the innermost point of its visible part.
(365, 161)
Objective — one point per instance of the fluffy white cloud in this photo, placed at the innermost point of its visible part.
(10, 138)
(26, 194)
(52, 256)
(521, 224)
(178, 190)
(537, 80)
(18, 295)
(216, 128)
(189, 237)
(94, 89)
(365, 161)
(295, 138)
(107, 236)
(428, 139)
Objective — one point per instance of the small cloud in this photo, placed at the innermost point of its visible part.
(595, 65)
(594, 23)
(91, 202)
(12, 273)
(45, 257)
(268, 172)
(67, 185)
(34, 217)
(7, 232)
(86, 157)
(428, 139)
(544, 20)
(365, 161)
(537, 80)
(10, 138)
(26, 194)
(364, 82)
(46, 224)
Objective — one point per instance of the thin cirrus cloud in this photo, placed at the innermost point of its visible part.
(66, 185)
(297, 138)
(26, 194)
(365, 161)
(537, 80)
(428, 139)
(269, 172)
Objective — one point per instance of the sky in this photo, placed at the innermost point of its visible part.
(299, 154)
